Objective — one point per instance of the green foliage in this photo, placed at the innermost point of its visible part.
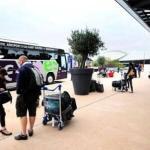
(85, 43)
(101, 61)
(114, 63)
(78, 58)
(94, 63)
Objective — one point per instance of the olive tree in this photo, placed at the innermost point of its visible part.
(85, 43)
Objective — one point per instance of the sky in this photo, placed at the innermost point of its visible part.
(49, 23)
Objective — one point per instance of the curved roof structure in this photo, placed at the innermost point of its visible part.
(139, 9)
(114, 54)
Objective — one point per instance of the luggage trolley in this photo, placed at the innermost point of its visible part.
(52, 106)
(121, 85)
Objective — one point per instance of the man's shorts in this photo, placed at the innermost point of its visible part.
(24, 104)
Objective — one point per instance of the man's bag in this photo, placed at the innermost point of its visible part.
(99, 87)
(5, 97)
(37, 77)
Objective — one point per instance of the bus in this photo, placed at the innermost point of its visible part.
(51, 61)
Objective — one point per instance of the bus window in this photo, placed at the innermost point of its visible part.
(58, 59)
(4, 51)
(11, 54)
(44, 56)
(63, 62)
(25, 53)
(1, 54)
(55, 56)
(18, 55)
(33, 54)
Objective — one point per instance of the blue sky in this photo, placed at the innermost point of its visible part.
(49, 23)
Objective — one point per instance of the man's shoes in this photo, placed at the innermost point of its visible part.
(30, 132)
(21, 137)
(5, 132)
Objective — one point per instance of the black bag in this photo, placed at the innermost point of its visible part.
(68, 100)
(73, 103)
(99, 87)
(116, 84)
(5, 97)
(65, 100)
(93, 86)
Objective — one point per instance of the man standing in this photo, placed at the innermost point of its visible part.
(27, 98)
(139, 69)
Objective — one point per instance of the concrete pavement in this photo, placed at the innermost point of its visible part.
(103, 121)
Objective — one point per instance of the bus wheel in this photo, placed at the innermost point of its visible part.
(50, 78)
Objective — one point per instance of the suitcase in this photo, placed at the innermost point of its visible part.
(99, 87)
(116, 84)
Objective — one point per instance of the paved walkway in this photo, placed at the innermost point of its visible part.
(104, 121)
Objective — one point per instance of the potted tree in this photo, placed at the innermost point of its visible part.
(84, 43)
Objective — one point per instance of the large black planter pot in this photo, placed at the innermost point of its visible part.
(81, 79)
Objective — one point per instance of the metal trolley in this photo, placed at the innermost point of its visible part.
(52, 106)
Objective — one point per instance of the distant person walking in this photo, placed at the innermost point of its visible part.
(131, 74)
(139, 69)
(27, 98)
(3, 129)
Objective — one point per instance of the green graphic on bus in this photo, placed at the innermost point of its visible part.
(50, 65)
